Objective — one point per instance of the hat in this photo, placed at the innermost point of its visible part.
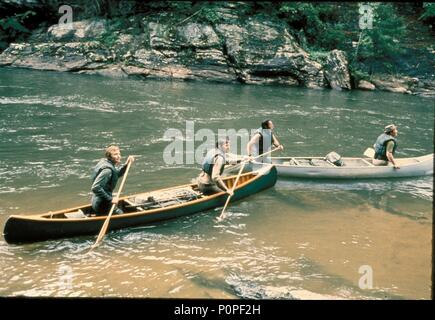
(389, 128)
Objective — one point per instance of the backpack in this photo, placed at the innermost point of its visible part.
(334, 158)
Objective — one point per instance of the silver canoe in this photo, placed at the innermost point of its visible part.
(318, 167)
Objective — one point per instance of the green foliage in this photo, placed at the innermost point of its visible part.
(180, 6)
(203, 12)
(319, 56)
(429, 12)
(358, 73)
(325, 25)
(383, 41)
(109, 39)
(328, 26)
(13, 27)
(15, 24)
(110, 36)
(209, 14)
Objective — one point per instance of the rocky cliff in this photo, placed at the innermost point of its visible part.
(251, 50)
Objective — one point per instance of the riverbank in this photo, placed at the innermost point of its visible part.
(233, 47)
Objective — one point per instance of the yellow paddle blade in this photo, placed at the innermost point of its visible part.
(369, 153)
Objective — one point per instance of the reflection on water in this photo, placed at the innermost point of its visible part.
(302, 239)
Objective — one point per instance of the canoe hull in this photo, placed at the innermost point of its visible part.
(21, 229)
(354, 168)
(422, 166)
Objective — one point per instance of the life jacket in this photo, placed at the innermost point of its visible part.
(209, 160)
(106, 164)
(381, 146)
(265, 135)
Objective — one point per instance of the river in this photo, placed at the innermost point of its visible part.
(301, 239)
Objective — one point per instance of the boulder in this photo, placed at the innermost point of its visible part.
(392, 84)
(161, 36)
(262, 49)
(77, 31)
(198, 36)
(365, 85)
(112, 71)
(337, 71)
(56, 56)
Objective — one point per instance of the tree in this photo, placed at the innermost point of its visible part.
(383, 41)
(428, 15)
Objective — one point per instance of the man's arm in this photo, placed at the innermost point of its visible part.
(215, 174)
(101, 180)
(254, 140)
(123, 168)
(276, 143)
(389, 153)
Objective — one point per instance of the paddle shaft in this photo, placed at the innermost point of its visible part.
(232, 189)
(237, 180)
(106, 222)
(261, 155)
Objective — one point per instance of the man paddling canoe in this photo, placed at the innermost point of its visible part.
(209, 180)
(262, 141)
(104, 179)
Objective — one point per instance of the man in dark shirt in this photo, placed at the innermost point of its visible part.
(104, 179)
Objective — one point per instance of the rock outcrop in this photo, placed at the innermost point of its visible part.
(255, 51)
(77, 31)
(337, 71)
(251, 50)
(265, 51)
(392, 84)
(366, 85)
(56, 56)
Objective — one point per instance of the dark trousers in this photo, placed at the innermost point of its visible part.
(208, 189)
(102, 206)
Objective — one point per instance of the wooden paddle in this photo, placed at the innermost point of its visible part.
(222, 215)
(106, 222)
(370, 152)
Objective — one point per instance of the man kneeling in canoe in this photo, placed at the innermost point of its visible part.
(209, 180)
(385, 147)
(104, 179)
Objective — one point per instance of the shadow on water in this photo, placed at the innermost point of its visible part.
(407, 197)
